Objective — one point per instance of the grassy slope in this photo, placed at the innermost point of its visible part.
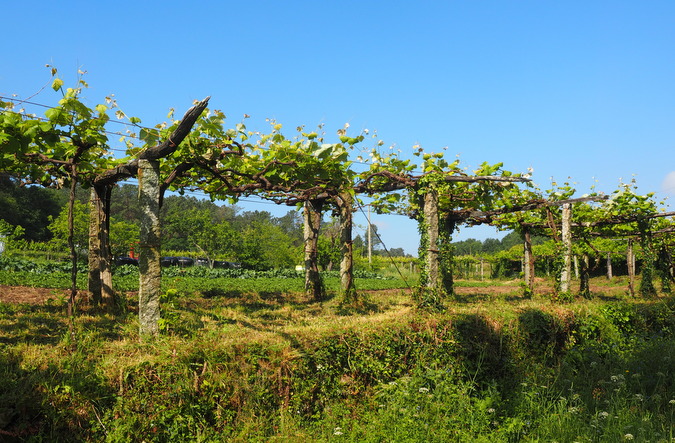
(260, 365)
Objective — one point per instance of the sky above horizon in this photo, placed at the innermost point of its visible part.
(578, 91)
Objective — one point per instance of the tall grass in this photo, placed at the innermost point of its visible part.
(277, 366)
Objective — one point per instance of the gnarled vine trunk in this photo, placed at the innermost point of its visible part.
(100, 274)
(344, 202)
(312, 224)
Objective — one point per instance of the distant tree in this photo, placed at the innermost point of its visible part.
(469, 246)
(207, 236)
(59, 228)
(291, 224)
(376, 243)
(397, 252)
(248, 217)
(491, 245)
(360, 245)
(124, 203)
(512, 239)
(123, 237)
(226, 213)
(472, 246)
(29, 207)
(10, 235)
(329, 252)
(177, 220)
(264, 245)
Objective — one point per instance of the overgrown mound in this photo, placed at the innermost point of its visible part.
(295, 370)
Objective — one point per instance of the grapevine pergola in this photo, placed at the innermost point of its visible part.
(69, 146)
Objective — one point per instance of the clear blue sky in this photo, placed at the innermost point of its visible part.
(579, 89)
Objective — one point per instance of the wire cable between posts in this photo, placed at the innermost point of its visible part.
(370, 226)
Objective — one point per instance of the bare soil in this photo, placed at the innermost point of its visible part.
(25, 294)
(38, 296)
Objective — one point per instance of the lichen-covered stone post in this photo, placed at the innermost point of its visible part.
(432, 264)
(149, 258)
(566, 273)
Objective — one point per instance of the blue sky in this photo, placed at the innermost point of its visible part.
(574, 89)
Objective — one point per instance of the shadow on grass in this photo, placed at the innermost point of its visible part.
(484, 350)
(32, 324)
(482, 297)
(361, 306)
(37, 402)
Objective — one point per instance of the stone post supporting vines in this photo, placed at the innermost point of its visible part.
(73, 253)
(149, 258)
(347, 286)
(435, 254)
(630, 261)
(94, 255)
(312, 223)
(585, 280)
(528, 261)
(430, 243)
(647, 288)
(609, 266)
(566, 272)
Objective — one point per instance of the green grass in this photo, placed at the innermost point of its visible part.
(191, 281)
(262, 362)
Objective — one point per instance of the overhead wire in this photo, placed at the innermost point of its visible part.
(127, 135)
(370, 226)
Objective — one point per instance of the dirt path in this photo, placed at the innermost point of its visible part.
(25, 294)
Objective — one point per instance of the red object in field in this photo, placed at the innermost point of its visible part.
(132, 253)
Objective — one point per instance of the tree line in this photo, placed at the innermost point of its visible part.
(191, 226)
